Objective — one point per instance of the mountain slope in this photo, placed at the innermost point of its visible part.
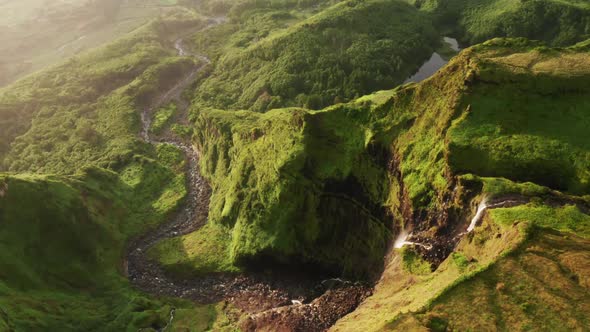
(557, 22)
(61, 241)
(292, 185)
(498, 137)
(83, 112)
(63, 237)
(492, 76)
(342, 52)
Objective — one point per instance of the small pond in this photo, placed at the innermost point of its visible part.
(435, 63)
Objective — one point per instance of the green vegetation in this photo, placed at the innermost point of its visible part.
(414, 263)
(497, 187)
(271, 172)
(62, 237)
(568, 218)
(162, 117)
(182, 130)
(338, 54)
(280, 181)
(403, 291)
(537, 287)
(557, 22)
(468, 102)
(61, 243)
(37, 33)
(304, 171)
(84, 112)
(460, 260)
(550, 150)
(201, 252)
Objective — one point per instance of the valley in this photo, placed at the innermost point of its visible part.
(221, 165)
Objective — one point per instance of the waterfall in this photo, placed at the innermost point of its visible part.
(481, 208)
(402, 240)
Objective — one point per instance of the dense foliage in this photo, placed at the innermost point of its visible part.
(551, 149)
(345, 51)
(280, 177)
(558, 22)
(62, 238)
(84, 112)
(307, 188)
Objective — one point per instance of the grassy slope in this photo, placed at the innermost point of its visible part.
(35, 34)
(542, 285)
(277, 57)
(405, 287)
(479, 115)
(546, 90)
(61, 244)
(267, 170)
(84, 112)
(62, 237)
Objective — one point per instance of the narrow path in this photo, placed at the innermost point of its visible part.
(270, 299)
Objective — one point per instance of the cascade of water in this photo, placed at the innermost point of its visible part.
(402, 240)
(481, 208)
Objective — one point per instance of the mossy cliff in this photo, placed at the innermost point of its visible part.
(297, 186)
(508, 109)
(327, 188)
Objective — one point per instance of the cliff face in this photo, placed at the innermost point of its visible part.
(323, 187)
(329, 188)
(297, 186)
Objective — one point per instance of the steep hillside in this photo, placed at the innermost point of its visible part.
(277, 57)
(329, 188)
(36, 33)
(551, 149)
(64, 237)
(84, 112)
(557, 22)
(398, 210)
(487, 73)
(61, 241)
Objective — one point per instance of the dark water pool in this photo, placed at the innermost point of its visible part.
(435, 63)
